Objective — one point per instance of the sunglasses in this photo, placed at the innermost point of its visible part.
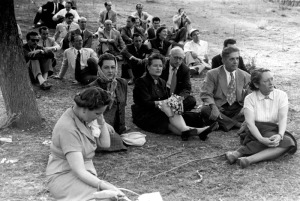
(35, 40)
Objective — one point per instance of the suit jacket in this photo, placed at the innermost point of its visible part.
(151, 33)
(87, 37)
(112, 15)
(183, 86)
(27, 50)
(49, 7)
(127, 35)
(62, 31)
(214, 88)
(217, 61)
(114, 34)
(69, 59)
(130, 51)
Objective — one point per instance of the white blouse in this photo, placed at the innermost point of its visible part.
(266, 109)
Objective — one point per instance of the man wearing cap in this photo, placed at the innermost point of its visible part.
(196, 52)
(110, 40)
(86, 35)
(177, 76)
(223, 92)
(108, 14)
(142, 15)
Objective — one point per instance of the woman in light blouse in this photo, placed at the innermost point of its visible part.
(265, 111)
(70, 171)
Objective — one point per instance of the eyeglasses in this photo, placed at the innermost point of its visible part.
(178, 58)
(35, 40)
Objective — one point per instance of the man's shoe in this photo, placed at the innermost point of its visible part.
(186, 134)
(45, 86)
(203, 134)
(231, 158)
(243, 162)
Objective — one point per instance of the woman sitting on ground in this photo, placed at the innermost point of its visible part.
(70, 172)
(159, 44)
(150, 111)
(115, 113)
(265, 111)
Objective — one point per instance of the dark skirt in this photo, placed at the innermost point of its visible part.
(252, 146)
(153, 120)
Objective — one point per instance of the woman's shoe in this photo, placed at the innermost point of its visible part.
(243, 162)
(231, 158)
(186, 134)
(203, 134)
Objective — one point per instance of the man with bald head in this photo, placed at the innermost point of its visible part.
(177, 76)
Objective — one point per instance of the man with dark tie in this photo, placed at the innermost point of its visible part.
(83, 61)
(63, 29)
(48, 43)
(135, 55)
(45, 13)
(108, 14)
(59, 17)
(224, 90)
(86, 35)
(177, 76)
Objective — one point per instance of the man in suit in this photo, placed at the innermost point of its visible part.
(83, 61)
(108, 14)
(48, 43)
(217, 60)
(142, 15)
(86, 35)
(46, 12)
(135, 55)
(151, 32)
(110, 40)
(128, 30)
(177, 76)
(224, 90)
(37, 60)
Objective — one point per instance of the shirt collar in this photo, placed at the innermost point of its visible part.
(228, 73)
(262, 97)
(171, 67)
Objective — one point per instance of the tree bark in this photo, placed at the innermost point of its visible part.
(15, 84)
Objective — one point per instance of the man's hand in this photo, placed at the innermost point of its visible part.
(34, 52)
(194, 55)
(215, 113)
(111, 40)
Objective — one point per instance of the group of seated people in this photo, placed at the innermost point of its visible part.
(159, 68)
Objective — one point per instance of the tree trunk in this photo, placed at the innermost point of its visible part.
(15, 84)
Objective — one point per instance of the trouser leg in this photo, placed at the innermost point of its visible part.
(189, 103)
(88, 74)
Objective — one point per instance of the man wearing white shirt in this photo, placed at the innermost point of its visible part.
(196, 52)
(143, 16)
(83, 61)
(224, 90)
(63, 29)
(62, 13)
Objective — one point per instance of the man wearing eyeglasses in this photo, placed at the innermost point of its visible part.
(38, 60)
(63, 29)
(177, 76)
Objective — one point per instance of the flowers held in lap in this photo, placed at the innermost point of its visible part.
(174, 104)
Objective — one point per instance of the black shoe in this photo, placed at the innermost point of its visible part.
(45, 86)
(186, 134)
(203, 134)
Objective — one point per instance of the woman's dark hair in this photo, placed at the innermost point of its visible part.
(92, 98)
(106, 56)
(154, 57)
(159, 30)
(228, 50)
(256, 77)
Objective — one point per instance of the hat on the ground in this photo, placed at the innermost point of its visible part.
(193, 30)
(134, 138)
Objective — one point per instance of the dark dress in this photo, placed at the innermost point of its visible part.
(144, 112)
(163, 49)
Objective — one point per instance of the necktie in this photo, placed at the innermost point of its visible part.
(44, 43)
(231, 93)
(82, 34)
(106, 17)
(267, 97)
(77, 67)
(173, 81)
(68, 28)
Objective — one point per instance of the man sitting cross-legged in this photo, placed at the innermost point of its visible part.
(110, 40)
(177, 76)
(135, 55)
(38, 60)
(196, 52)
(217, 60)
(81, 60)
(224, 90)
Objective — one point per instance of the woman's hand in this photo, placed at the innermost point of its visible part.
(110, 129)
(166, 109)
(269, 142)
(275, 139)
(107, 194)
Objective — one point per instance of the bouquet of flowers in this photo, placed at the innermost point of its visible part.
(175, 103)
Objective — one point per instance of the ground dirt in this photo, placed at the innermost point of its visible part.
(264, 30)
